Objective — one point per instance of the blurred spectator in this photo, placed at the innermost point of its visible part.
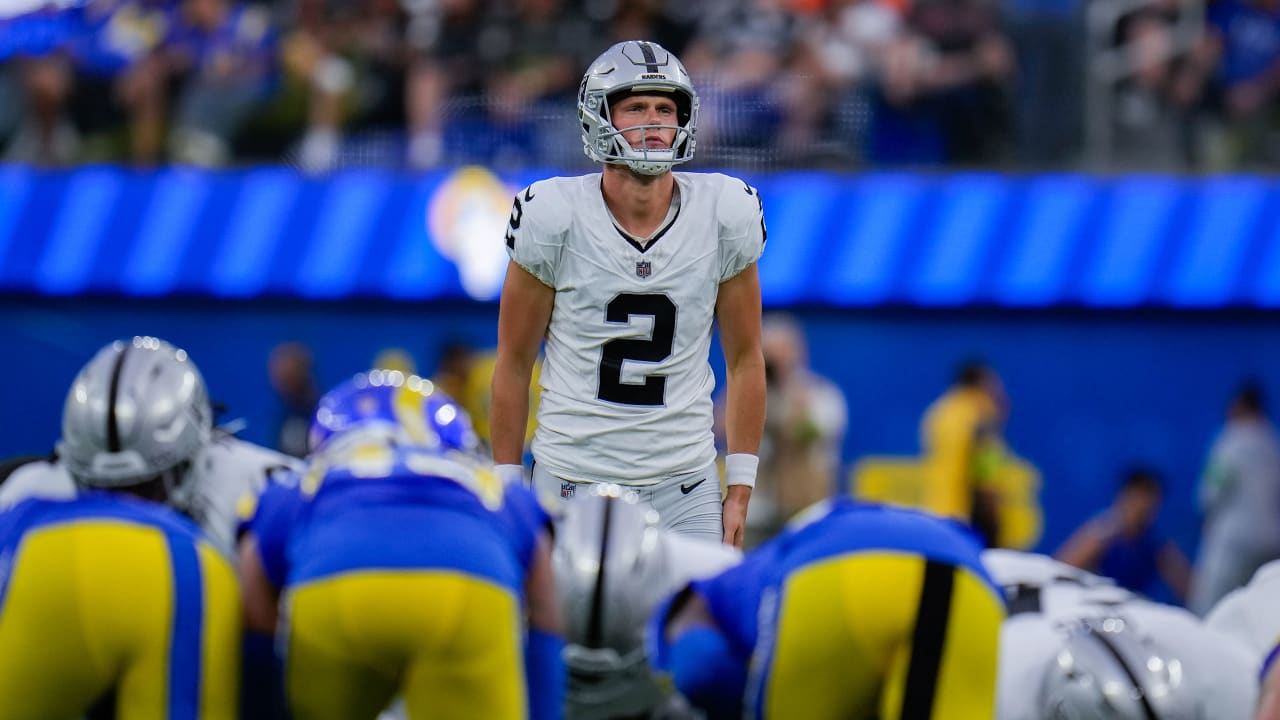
(351, 61)
(804, 431)
(740, 62)
(317, 79)
(443, 67)
(477, 395)
(842, 53)
(292, 377)
(94, 73)
(1240, 496)
(453, 367)
(669, 23)
(1151, 126)
(45, 135)
(945, 85)
(533, 52)
(1122, 542)
(222, 57)
(1048, 107)
(424, 83)
(960, 433)
(1234, 73)
(10, 99)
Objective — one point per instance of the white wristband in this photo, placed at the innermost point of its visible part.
(510, 474)
(740, 469)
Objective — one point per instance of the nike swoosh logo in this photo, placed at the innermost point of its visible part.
(686, 489)
(528, 193)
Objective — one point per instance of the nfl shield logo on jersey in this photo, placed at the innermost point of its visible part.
(566, 490)
(644, 268)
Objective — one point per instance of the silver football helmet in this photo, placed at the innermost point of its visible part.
(611, 569)
(1108, 670)
(643, 67)
(137, 411)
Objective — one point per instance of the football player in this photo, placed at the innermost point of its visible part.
(1248, 614)
(398, 562)
(854, 610)
(613, 564)
(1078, 646)
(36, 477)
(110, 605)
(224, 471)
(624, 272)
(9, 466)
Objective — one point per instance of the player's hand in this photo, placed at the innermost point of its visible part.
(735, 514)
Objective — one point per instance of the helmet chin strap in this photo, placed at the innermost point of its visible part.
(644, 160)
(646, 167)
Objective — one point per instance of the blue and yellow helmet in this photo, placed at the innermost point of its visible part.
(408, 408)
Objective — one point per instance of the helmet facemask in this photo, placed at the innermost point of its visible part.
(610, 143)
(1107, 670)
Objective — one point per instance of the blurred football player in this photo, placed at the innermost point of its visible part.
(400, 563)
(624, 273)
(1248, 614)
(10, 465)
(224, 470)
(112, 605)
(613, 564)
(854, 610)
(1077, 645)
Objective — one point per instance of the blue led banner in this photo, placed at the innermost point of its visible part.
(837, 240)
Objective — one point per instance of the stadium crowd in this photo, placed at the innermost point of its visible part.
(785, 83)
(154, 565)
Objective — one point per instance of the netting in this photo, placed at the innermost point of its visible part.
(740, 131)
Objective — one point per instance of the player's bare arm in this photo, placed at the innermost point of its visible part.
(258, 596)
(523, 314)
(738, 313)
(1085, 546)
(540, 591)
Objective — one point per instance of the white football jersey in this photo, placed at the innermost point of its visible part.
(1044, 595)
(39, 479)
(626, 384)
(692, 558)
(1251, 614)
(226, 470)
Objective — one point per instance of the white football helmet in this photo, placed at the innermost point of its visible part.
(137, 411)
(636, 67)
(1108, 670)
(612, 569)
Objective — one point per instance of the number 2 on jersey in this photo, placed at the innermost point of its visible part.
(657, 348)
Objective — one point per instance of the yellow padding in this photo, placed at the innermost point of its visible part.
(843, 641)
(451, 643)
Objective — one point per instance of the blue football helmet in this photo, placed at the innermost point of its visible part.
(405, 409)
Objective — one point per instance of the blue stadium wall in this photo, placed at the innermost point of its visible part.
(1122, 312)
